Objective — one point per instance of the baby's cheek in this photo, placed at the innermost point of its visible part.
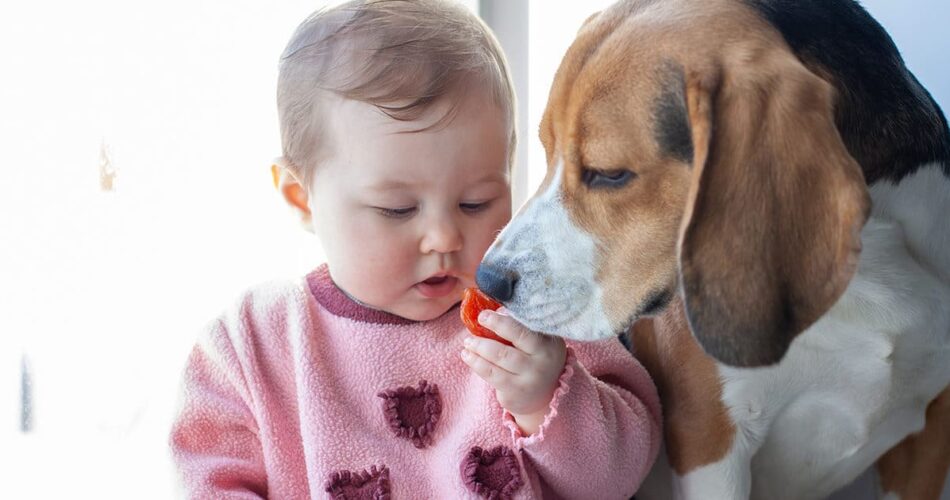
(371, 269)
(386, 271)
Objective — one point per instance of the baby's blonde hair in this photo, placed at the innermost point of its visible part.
(398, 55)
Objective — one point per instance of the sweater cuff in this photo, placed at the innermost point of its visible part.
(521, 439)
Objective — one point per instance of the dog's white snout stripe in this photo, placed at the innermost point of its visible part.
(556, 291)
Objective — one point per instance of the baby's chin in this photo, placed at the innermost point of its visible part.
(427, 310)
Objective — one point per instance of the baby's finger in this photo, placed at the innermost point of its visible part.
(493, 374)
(509, 329)
(508, 358)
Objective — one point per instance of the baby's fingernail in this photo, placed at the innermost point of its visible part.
(469, 342)
(483, 316)
(465, 354)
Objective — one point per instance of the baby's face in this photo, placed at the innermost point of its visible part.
(405, 218)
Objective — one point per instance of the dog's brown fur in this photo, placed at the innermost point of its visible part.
(916, 468)
(689, 388)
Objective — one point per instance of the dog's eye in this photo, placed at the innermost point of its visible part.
(595, 179)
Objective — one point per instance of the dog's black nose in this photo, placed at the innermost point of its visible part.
(499, 284)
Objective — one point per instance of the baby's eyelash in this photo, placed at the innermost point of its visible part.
(396, 213)
(405, 212)
(474, 207)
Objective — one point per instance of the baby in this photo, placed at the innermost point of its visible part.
(360, 381)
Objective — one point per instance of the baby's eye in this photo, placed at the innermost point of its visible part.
(396, 213)
(473, 207)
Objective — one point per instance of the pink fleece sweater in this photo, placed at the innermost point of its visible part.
(299, 392)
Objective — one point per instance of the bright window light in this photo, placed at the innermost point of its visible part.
(136, 203)
(551, 29)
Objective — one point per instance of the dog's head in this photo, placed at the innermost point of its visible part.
(689, 152)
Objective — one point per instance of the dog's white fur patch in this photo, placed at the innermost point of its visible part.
(540, 243)
(921, 205)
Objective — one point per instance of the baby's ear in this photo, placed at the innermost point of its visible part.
(294, 193)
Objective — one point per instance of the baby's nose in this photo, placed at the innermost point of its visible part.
(443, 236)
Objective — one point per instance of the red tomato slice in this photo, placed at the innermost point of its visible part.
(475, 301)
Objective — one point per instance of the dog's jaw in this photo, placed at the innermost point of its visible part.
(556, 292)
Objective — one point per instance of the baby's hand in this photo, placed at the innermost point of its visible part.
(524, 376)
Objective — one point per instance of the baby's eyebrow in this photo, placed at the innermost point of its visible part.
(402, 184)
(390, 185)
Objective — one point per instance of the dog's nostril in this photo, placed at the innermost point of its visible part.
(497, 283)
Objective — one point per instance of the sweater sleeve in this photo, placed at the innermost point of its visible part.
(602, 432)
(214, 439)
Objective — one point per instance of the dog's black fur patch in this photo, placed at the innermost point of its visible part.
(655, 302)
(672, 123)
(887, 119)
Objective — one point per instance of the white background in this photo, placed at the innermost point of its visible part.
(102, 292)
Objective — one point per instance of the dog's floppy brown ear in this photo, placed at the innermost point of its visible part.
(771, 232)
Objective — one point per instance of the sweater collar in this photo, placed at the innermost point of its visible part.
(338, 303)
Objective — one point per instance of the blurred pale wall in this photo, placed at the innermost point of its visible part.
(919, 28)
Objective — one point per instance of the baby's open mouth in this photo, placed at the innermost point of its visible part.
(437, 286)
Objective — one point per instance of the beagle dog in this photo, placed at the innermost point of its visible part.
(757, 193)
